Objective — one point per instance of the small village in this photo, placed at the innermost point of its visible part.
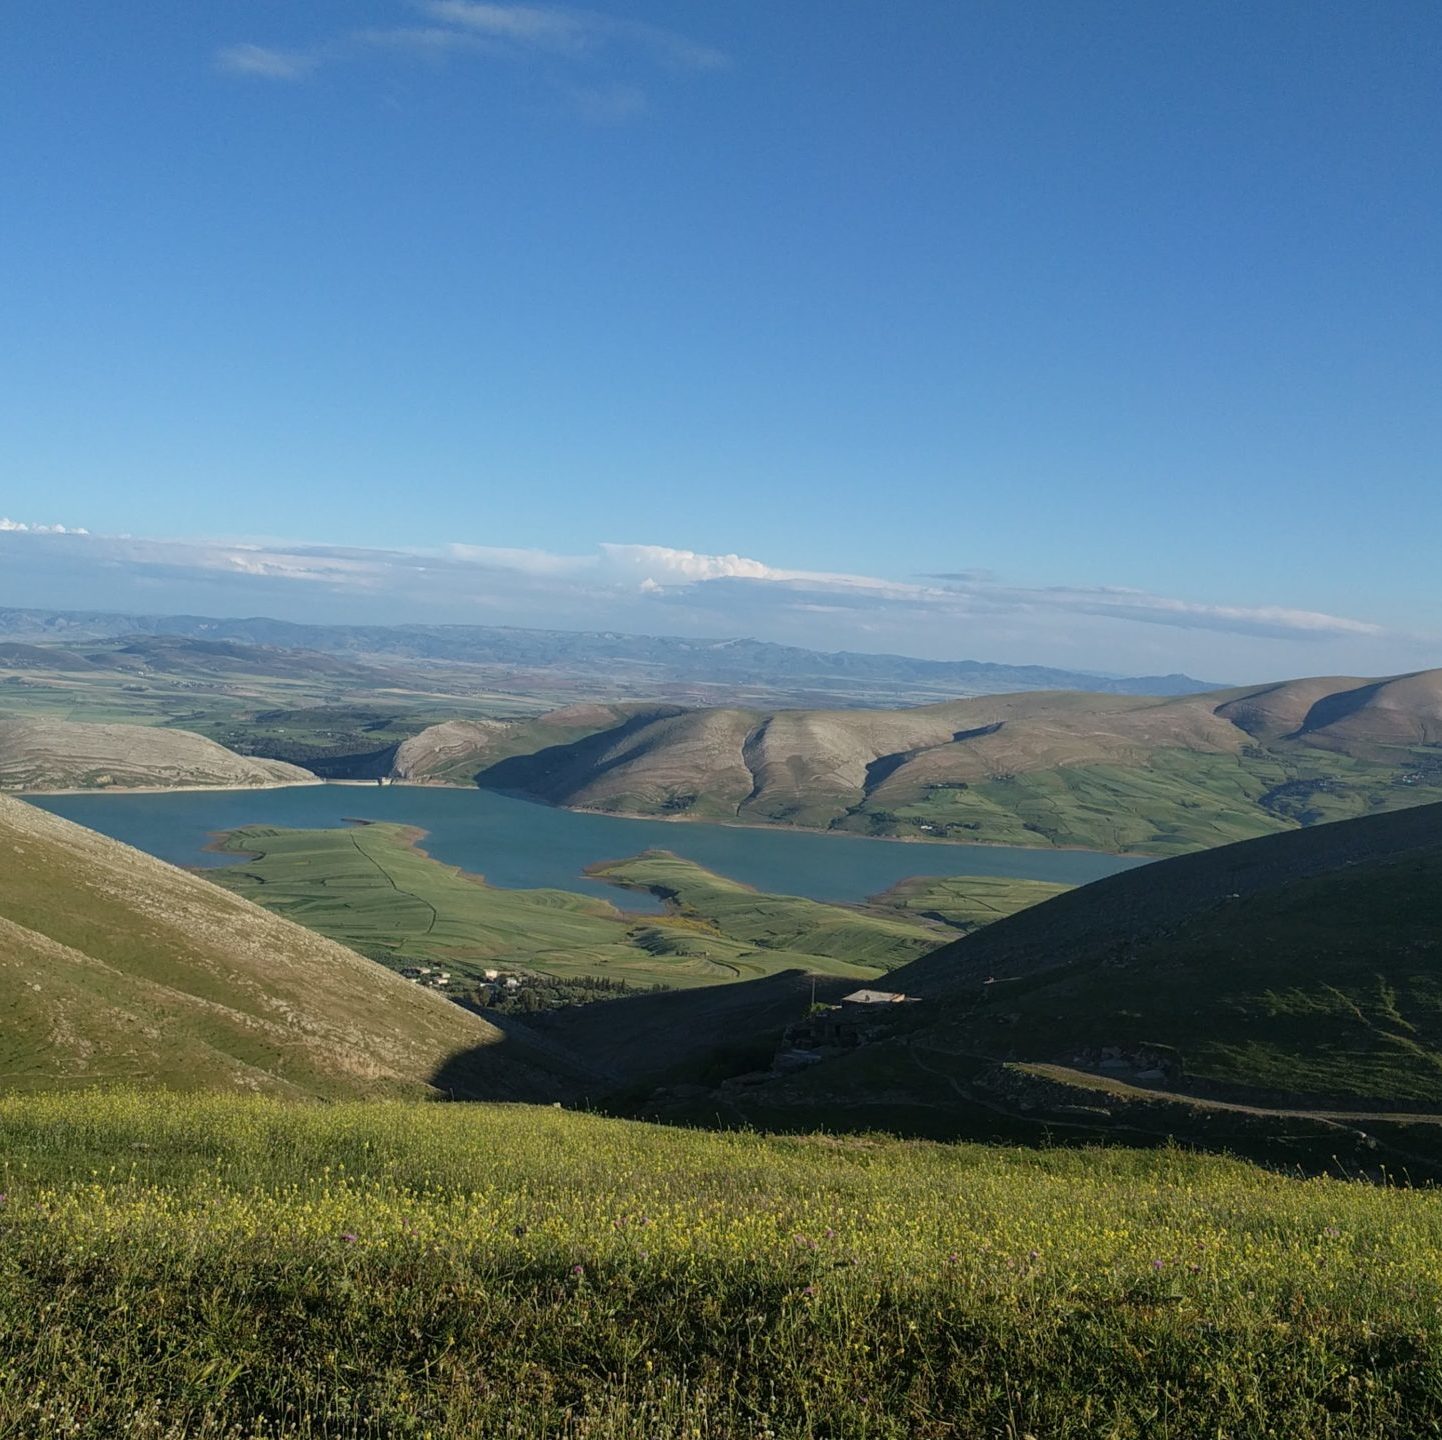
(435, 978)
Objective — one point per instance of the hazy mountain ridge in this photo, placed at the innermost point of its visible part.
(739, 662)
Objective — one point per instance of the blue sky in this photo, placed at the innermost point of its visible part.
(750, 317)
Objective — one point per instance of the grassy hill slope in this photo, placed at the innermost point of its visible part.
(116, 969)
(215, 1267)
(1303, 968)
(1251, 995)
(1101, 771)
(41, 753)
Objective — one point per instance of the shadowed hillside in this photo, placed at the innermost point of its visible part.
(1155, 900)
(457, 751)
(116, 969)
(1281, 996)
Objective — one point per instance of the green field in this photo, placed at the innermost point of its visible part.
(371, 888)
(967, 902)
(257, 700)
(773, 922)
(213, 1268)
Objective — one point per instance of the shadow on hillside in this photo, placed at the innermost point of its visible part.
(696, 1059)
(615, 1052)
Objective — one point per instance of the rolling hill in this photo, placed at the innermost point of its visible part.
(119, 970)
(453, 751)
(1114, 772)
(1281, 996)
(40, 753)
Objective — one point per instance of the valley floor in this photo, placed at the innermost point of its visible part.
(237, 1267)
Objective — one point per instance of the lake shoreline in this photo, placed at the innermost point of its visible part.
(764, 827)
(731, 824)
(515, 844)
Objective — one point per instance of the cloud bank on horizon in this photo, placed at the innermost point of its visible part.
(966, 614)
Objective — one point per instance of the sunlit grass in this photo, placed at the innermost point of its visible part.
(205, 1267)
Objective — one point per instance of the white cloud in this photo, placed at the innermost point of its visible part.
(18, 527)
(539, 25)
(659, 563)
(576, 32)
(577, 37)
(265, 62)
(658, 588)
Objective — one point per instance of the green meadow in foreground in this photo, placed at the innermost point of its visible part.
(204, 1267)
(372, 888)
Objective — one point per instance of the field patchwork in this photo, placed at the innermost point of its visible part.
(373, 889)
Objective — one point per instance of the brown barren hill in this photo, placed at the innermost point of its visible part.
(41, 753)
(1131, 773)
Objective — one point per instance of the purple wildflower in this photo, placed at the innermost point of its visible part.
(349, 1238)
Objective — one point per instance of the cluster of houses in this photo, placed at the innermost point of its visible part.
(439, 979)
(428, 975)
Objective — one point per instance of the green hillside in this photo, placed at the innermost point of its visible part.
(1321, 990)
(116, 969)
(216, 1268)
(1154, 776)
(370, 887)
(1279, 996)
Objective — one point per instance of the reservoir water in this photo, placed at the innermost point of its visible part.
(520, 845)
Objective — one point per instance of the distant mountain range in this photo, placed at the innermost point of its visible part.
(641, 663)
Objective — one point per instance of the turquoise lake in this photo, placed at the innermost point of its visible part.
(520, 845)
